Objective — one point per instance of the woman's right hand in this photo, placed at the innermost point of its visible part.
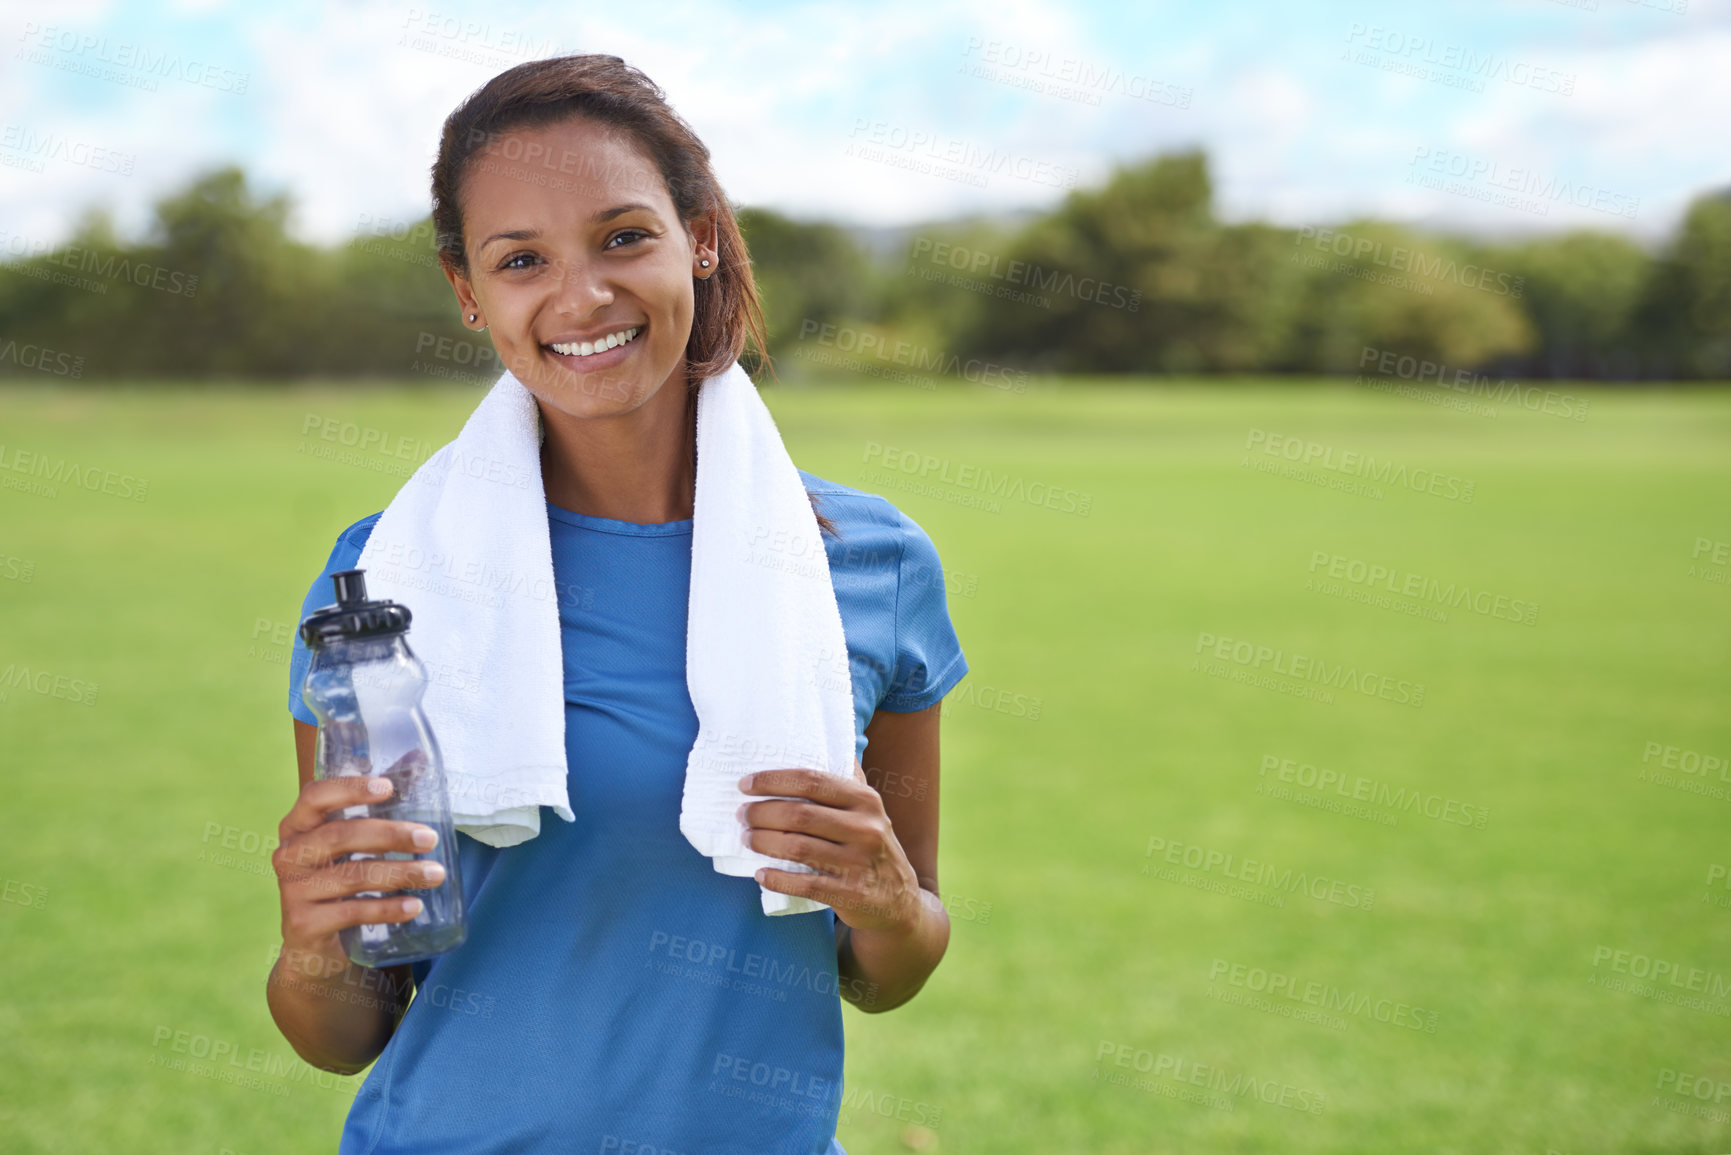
(317, 890)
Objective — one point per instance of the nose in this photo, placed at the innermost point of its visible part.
(581, 287)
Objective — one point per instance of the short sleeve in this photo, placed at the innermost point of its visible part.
(928, 661)
(344, 555)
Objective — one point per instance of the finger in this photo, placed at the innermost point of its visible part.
(373, 874)
(322, 796)
(797, 817)
(803, 783)
(859, 772)
(813, 852)
(314, 920)
(812, 886)
(341, 836)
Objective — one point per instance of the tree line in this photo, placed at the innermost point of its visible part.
(1137, 276)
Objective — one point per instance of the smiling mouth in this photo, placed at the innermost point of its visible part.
(582, 350)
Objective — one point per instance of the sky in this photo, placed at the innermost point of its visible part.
(1495, 118)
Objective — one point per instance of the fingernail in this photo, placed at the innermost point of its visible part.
(745, 783)
(379, 786)
(425, 838)
(740, 813)
(411, 906)
(435, 873)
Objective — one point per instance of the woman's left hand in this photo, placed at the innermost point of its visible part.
(838, 827)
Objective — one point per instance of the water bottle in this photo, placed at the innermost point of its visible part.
(365, 686)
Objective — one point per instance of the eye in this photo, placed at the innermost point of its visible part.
(626, 233)
(512, 261)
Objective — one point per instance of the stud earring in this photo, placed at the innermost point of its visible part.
(471, 318)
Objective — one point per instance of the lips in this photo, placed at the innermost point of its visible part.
(606, 351)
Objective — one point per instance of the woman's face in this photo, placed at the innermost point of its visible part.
(572, 237)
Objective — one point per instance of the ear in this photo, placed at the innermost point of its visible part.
(705, 233)
(464, 291)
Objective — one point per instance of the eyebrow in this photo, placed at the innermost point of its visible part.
(534, 234)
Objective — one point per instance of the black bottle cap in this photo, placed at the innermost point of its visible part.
(353, 616)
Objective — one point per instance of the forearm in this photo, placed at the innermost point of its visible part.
(336, 1018)
(882, 969)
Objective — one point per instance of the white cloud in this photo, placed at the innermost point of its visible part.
(346, 102)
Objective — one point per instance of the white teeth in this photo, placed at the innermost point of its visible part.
(590, 348)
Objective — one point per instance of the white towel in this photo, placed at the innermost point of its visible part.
(464, 544)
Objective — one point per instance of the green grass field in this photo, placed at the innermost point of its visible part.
(1459, 988)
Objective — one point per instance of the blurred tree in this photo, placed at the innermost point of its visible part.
(1372, 284)
(1132, 277)
(1135, 276)
(1581, 292)
(1685, 314)
(806, 274)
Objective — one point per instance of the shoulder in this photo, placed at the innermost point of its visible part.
(850, 507)
(841, 503)
(869, 527)
(352, 540)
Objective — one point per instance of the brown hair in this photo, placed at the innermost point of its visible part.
(612, 93)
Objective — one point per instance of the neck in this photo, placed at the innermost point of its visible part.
(638, 466)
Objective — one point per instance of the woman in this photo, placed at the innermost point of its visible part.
(616, 993)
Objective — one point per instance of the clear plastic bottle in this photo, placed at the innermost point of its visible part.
(365, 686)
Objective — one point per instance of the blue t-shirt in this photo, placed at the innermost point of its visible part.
(615, 993)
